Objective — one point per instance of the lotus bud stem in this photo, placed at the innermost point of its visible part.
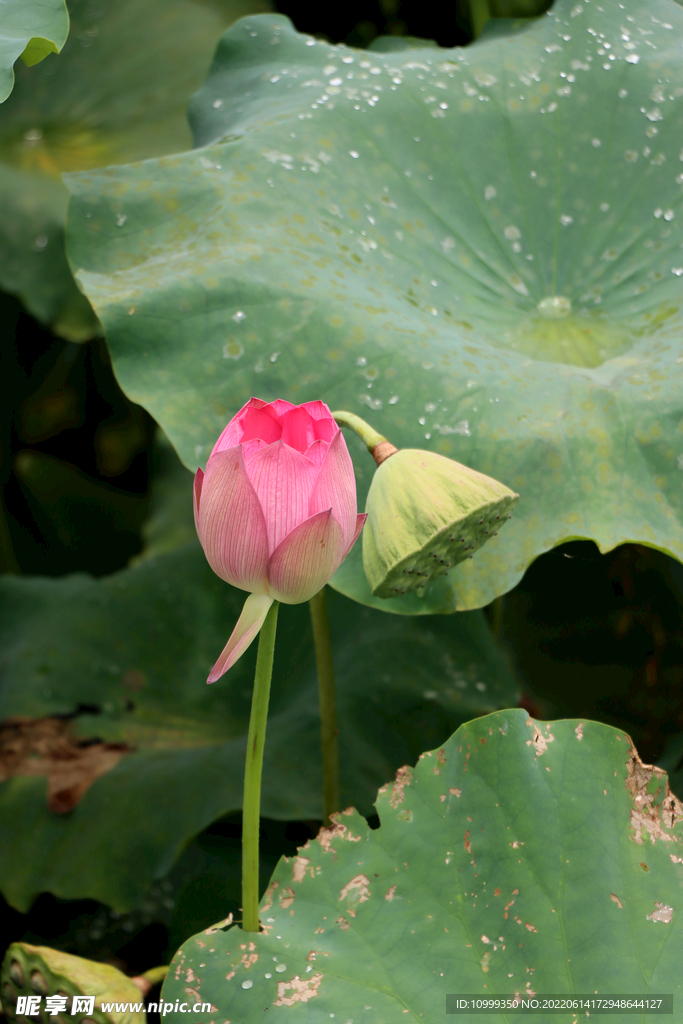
(377, 445)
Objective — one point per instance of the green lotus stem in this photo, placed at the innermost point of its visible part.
(329, 733)
(155, 974)
(480, 13)
(146, 982)
(376, 443)
(251, 808)
(368, 435)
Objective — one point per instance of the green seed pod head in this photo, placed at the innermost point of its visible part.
(426, 513)
(38, 970)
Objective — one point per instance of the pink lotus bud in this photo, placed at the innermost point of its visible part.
(276, 509)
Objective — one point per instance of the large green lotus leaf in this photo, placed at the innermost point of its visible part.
(125, 658)
(521, 857)
(478, 249)
(30, 29)
(118, 92)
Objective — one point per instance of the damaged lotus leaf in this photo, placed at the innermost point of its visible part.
(49, 748)
(107, 679)
(30, 29)
(38, 970)
(478, 249)
(118, 92)
(508, 862)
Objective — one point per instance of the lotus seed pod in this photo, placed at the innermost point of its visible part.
(66, 984)
(426, 513)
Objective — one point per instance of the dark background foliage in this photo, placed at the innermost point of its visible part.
(587, 634)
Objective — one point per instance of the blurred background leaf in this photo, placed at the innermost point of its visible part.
(75, 455)
(30, 29)
(118, 92)
(124, 660)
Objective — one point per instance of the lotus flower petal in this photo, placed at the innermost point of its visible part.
(306, 559)
(230, 522)
(283, 480)
(279, 408)
(232, 435)
(197, 493)
(276, 509)
(255, 419)
(324, 424)
(260, 423)
(335, 488)
(360, 523)
(298, 429)
(248, 625)
(316, 453)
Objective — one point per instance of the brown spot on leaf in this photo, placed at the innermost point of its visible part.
(455, 792)
(49, 747)
(655, 808)
(530, 927)
(403, 778)
(539, 741)
(354, 892)
(301, 990)
(222, 924)
(441, 758)
(391, 893)
(286, 898)
(661, 913)
(269, 895)
(615, 899)
(468, 844)
(579, 731)
(326, 835)
(299, 868)
(343, 923)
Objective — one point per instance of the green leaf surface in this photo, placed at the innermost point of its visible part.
(396, 44)
(118, 92)
(478, 249)
(127, 658)
(521, 857)
(30, 29)
(496, 28)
